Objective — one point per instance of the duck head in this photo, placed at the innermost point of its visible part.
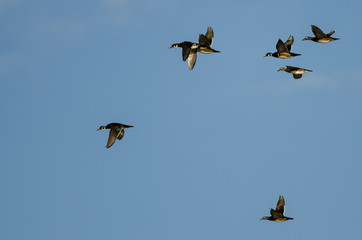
(269, 54)
(101, 128)
(175, 45)
(307, 38)
(282, 69)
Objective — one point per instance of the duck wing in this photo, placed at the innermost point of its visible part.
(204, 41)
(318, 32)
(112, 137)
(280, 205)
(191, 60)
(275, 214)
(186, 48)
(331, 33)
(281, 46)
(120, 134)
(210, 35)
(291, 68)
(297, 76)
(289, 43)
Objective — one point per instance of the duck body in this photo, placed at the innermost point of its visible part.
(277, 215)
(283, 49)
(282, 55)
(320, 36)
(296, 71)
(116, 132)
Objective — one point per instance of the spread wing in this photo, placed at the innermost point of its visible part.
(185, 53)
(330, 34)
(112, 137)
(207, 39)
(203, 40)
(289, 43)
(281, 46)
(280, 205)
(120, 134)
(275, 214)
(318, 32)
(210, 35)
(297, 76)
(186, 48)
(191, 60)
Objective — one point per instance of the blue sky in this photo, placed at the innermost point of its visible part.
(211, 150)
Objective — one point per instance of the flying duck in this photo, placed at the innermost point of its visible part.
(277, 215)
(189, 52)
(283, 49)
(296, 71)
(116, 132)
(205, 42)
(320, 36)
(190, 49)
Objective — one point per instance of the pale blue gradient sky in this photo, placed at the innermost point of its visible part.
(211, 150)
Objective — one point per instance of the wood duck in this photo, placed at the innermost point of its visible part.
(190, 49)
(189, 52)
(277, 215)
(296, 71)
(320, 36)
(116, 132)
(205, 42)
(283, 49)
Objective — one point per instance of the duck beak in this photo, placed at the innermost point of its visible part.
(99, 129)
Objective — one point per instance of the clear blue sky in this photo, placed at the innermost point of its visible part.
(211, 150)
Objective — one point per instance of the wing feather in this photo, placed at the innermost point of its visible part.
(280, 205)
(318, 32)
(191, 60)
(112, 137)
(281, 46)
(289, 43)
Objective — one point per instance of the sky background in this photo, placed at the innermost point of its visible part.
(212, 148)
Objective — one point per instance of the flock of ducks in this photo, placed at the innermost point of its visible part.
(284, 50)
(190, 49)
(189, 53)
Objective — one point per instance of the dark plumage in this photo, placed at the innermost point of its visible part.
(277, 215)
(190, 49)
(205, 42)
(320, 36)
(296, 71)
(283, 49)
(116, 132)
(189, 52)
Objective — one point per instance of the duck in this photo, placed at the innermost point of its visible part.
(296, 71)
(190, 49)
(205, 42)
(116, 132)
(283, 49)
(277, 215)
(320, 36)
(189, 52)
